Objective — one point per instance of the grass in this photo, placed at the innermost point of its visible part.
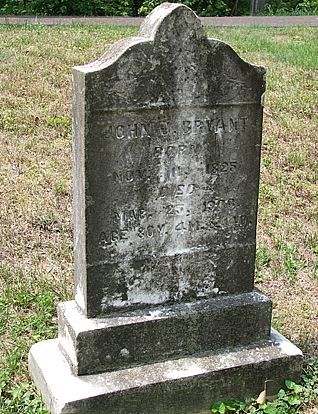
(290, 400)
(35, 184)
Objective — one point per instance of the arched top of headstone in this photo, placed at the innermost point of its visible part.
(163, 18)
(171, 63)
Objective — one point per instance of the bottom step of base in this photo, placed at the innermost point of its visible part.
(188, 385)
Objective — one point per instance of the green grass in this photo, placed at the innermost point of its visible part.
(293, 399)
(35, 184)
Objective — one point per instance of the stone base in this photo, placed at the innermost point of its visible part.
(161, 333)
(183, 386)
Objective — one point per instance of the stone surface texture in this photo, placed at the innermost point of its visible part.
(183, 386)
(145, 336)
(167, 136)
(166, 168)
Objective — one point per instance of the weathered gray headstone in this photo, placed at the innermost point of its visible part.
(167, 136)
(166, 169)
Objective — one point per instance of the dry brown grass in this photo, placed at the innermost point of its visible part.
(35, 178)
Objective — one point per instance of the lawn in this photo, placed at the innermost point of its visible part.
(36, 263)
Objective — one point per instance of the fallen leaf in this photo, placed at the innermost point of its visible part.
(262, 397)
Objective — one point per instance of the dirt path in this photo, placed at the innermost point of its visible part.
(274, 21)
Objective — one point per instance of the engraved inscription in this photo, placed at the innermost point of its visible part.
(162, 230)
(213, 124)
(177, 210)
(132, 215)
(183, 161)
(219, 203)
(221, 167)
(129, 176)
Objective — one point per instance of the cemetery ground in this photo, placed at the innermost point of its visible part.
(36, 270)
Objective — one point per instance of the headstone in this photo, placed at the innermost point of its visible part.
(166, 169)
(167, 137)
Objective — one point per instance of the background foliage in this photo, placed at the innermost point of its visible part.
(143, 7)
(291, 7)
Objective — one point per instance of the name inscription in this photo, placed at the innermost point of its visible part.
(138, 130)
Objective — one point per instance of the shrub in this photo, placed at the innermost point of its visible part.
(68, 7)
(116, 7)
(291, 7)
(203, 7)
